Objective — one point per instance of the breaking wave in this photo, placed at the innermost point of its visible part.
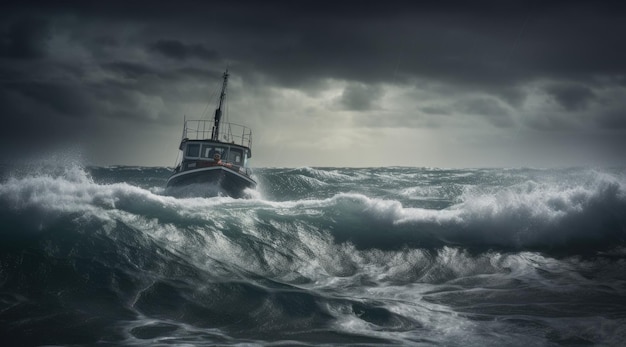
(530, 214)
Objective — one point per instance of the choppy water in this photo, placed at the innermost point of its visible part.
(334, 256)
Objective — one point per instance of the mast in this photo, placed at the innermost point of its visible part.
(215, 135)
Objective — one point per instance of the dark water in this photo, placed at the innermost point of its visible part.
(325, 256)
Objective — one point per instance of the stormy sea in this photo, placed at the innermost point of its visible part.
(314, 256)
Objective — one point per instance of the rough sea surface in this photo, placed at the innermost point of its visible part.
(314, 256)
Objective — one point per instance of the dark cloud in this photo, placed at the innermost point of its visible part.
(572, 97)
(490, 109)
(613, 119)
(62, 100)
(435, 110)
(177, 50)
(129, 69)
(89, 62)
(25, 38)
(486, 44)
(30, 125)
(549, 122)
(360, 97)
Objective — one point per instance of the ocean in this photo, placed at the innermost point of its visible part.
(315, 256)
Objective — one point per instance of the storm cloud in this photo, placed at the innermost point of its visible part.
(446, 79)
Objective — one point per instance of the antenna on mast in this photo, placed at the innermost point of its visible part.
(218, 112)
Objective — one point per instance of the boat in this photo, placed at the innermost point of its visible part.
(214, 157)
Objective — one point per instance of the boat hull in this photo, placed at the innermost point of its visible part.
(209, 181)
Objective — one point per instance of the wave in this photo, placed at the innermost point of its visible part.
(527, 215)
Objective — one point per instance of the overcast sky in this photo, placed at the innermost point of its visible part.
(337, 83)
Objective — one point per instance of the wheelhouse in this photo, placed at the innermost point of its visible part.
(198, 148)
(201, 153)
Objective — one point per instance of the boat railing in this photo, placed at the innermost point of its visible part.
(228, 132)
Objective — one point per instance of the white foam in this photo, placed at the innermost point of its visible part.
(327, 174)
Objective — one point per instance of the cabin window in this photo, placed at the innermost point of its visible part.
(193, 150)
(235, 156)
(208, 151)
(245, 157)
(224, 152)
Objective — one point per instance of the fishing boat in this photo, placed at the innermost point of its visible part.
(213, 157)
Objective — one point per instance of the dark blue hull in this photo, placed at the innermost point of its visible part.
(209, 181)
